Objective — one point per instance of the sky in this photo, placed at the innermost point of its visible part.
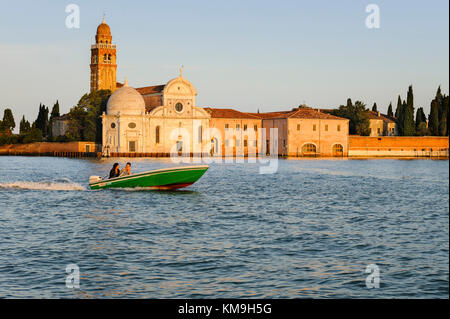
(248, 55)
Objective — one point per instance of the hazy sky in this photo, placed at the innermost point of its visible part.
(246, 54)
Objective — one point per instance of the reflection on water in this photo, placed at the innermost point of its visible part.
(309, 230)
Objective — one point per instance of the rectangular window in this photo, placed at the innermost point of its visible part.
(284, 143)
(227, 126)
(245, 127)
(200, 133)
(157, 135)
(326, 127)
(314, 127)
(379, 130)
(245, 143)
(298, 127)
(255, 127)
(131, 146)
(238, 127)
(339, 128)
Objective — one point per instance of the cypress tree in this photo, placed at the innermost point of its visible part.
(374, 107)
(55, 111)
(408, 114)
(41, 122)
(24, 126)
(443, 116)
(389, 112)
(399, 106)
(420, 117)
(433, 118)
(399, 114)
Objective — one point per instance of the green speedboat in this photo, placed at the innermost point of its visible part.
(165, 179)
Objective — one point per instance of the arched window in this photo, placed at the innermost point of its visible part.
(109, 57)
(105, 58)
(338, 150)
(157, 134)
(309, 149)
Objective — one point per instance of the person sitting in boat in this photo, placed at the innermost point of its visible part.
(126, 171)
(115, 171)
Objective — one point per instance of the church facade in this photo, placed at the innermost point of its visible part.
(177, 125)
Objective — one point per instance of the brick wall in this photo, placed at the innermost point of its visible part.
(45, 147)
(398, 146)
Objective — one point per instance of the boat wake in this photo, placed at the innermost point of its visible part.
(57, 185)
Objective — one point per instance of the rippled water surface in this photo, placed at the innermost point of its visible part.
(310, 230)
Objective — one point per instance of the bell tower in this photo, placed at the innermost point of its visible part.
(103, 60)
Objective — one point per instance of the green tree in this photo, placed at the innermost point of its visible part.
(433, 118)
(400, 117)
(389, 112)
(24, 126)
(85, 123)
(422, 129)
(399, 106)
(55, 110)
(8, 123)
(443, 116)
(33, 135)
(408, 114)
(420, 117)
(374, 107)
(41, 122)
(358, 117)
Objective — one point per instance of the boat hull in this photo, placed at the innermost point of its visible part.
(163, 179)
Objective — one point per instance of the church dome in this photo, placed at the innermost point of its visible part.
(103, 29)
(125, 100)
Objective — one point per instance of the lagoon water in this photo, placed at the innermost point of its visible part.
(310, 230)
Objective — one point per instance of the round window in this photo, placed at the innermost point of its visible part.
(113, 125)
(179, 107)
(132, 125)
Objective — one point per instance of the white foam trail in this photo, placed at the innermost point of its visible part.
(47, 186)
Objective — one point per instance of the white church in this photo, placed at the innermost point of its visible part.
(130, 126)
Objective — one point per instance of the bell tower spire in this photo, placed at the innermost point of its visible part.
(103, 60)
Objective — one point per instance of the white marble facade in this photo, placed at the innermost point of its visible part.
(128, 126)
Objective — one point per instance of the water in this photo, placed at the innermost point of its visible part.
(310, 230)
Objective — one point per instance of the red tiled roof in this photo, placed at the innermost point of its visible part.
(151, 89)
(308, 113)
(146, 89)
(229, 113)
(302, 112)
(269, 115)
